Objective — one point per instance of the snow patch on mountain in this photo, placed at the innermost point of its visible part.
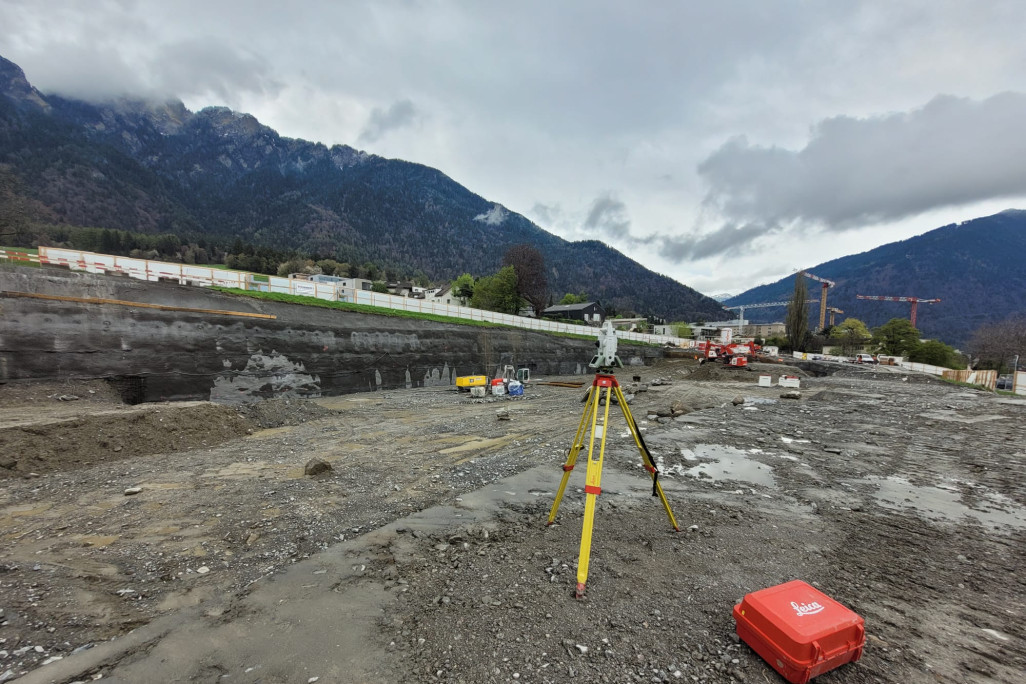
(494, 216)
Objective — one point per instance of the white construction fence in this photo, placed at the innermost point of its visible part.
(204, 276)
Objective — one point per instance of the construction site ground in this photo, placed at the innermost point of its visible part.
(185, 543)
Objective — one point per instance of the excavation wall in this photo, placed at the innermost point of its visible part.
(153, 354)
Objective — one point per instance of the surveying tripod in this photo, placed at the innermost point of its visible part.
(606, 387)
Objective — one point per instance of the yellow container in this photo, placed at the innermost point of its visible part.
(468, 381)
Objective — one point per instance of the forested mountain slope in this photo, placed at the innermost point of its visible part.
(976, 268)
(158, 167)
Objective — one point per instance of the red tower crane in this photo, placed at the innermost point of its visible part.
(915, 302)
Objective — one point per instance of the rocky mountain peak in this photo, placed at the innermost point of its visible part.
(14, 85)
(235, 123)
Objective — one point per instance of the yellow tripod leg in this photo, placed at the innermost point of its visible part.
(593, 485)
(575, 449)
(645, 458)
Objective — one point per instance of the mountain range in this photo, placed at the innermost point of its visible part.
(976, 268)
(156, 167)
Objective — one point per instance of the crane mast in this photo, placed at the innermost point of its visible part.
(822, 298)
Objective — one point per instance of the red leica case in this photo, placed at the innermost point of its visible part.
(800, 631)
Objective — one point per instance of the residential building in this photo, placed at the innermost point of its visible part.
(711, 330)
(764, 330)
(443, 295)
(628, 324)
(589, 312)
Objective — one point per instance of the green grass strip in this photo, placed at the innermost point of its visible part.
(398, 313)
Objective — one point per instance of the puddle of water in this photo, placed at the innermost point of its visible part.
(718, 462)
(943, 504)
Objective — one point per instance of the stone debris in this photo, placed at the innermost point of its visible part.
(502, 414)
(132, 491)
(494, 596)
(317, 466)
(792, 394)
(738, 400)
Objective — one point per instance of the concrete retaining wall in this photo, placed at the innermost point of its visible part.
(306, 351)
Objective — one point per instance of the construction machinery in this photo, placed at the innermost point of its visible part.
(916, 301)
(822, 298)
(734, 354)
(833, 310)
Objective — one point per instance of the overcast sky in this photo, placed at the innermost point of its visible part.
(725, 144)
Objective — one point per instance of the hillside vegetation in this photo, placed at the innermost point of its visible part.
(221, 175)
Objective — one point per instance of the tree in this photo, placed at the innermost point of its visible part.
(896, 337)
(995, 345)
(372, 271)
(797, 322)
(936, 353)
(420, 279)
(291, 266)
(13, 213)
(852, 334)
(463, 287)
(379, 286)
(570, 298)
(529, 266)
(681, 329)
(333, 268)
(497, 292)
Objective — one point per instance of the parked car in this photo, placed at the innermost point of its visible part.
(865, 358)
(1004, 382)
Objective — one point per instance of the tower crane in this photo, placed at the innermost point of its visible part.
(915, 302)
(822, 298)
(833, 310)
(742, 307)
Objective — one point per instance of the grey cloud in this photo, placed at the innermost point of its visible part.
(203, 66)
(608, 216)
(399, 115)
(951, 152)
(547, 214)
(93, 74)
(182, 69)
(727, 240)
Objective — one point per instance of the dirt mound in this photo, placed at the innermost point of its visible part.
(714, 371)
(67, 443)
(885, 374)
(20, 393)
(66, 434)
(275, 413)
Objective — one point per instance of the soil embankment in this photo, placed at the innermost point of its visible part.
(233, 349)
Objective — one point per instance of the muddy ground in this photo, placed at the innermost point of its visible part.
(902, 497)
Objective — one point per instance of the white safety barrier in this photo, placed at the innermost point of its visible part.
(924, 368)
(204, 276)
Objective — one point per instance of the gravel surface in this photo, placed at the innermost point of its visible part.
(903, 499)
